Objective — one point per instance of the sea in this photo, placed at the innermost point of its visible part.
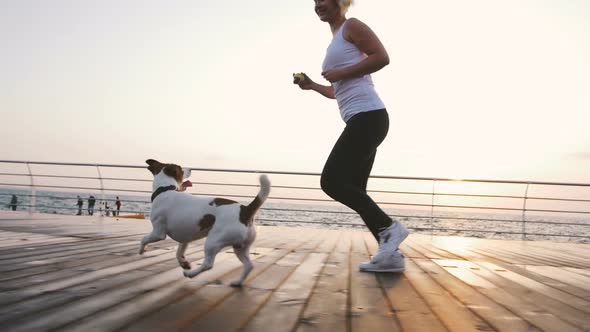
(480, 224)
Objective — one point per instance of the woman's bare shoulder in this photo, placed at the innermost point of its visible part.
(355, 27)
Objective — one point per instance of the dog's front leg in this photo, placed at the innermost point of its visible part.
(158, 234)
(243, 254)
(211, 250)
(180, 256)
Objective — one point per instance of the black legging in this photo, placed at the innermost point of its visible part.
(347, 169)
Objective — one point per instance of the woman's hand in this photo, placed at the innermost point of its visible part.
(306, 83)
(334, 75)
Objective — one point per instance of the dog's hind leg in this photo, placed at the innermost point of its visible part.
(211, 250)
(158, 234)
(180, 256)
(243, 254)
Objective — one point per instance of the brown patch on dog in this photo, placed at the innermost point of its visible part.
(174, 171)
(247, 212)
(207, 222)
(154, 166)
(221, 201)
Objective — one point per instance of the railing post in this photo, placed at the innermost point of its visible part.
(526, 193)
(33, 200)
(432, 207)
(101, 191)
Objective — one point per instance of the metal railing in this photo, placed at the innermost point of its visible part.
(527, 209)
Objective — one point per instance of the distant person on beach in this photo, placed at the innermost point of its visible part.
(80, 203)
(118, 204)
(107, 210)
(13, 203)
(91, 202)
(353, 54)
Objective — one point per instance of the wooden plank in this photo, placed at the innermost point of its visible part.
(523, 256)
(556, 253)
(474, 254)
(454, 314)
(198, 300)
(429, 250)
(92, 287)
(149, 258)
(457, 279)
(566, 299)
(584, 272)
(73, 311)
(278, 306)
(62, 298)
(407, 251)
(369, 307)
(191, 309)
(46, 273)
(565, 276)
(285, 306)
(20, 264)
(410, 309)
(63, 249)
(548, 314)
(282, 309)
(327, 308)
(138, 309)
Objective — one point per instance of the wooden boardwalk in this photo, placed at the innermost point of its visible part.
(82, 274)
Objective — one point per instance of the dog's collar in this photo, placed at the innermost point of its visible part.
(161, 190)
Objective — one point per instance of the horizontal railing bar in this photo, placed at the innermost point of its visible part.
(85, 198)
(348, 213)
(399, 192)
(85, 188)
(76, 177)
(311, 188)
(305, 173)
(322, 200)
(512, 197)
(307, 188)
(84, 209)
(483, 208)
(437, 217)
(505, 232)
(430, 229)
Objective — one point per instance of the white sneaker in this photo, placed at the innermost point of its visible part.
(389, 241)
(387, 262)
(391, 237)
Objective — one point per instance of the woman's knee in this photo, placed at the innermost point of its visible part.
(326, 184)
(330, 186)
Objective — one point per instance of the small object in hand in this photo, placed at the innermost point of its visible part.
(298, 78)
(187, 183)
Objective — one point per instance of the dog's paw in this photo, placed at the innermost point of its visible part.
(187, 273)
(236, 283)
(141, 251)
(185, 265)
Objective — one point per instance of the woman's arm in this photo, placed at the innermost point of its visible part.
(325, 90)
(367, 42)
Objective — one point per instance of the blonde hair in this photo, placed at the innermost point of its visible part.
(344, 5)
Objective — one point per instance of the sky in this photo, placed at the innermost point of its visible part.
(475, 89)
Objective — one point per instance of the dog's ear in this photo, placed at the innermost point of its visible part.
(154, 166)
(174, 171)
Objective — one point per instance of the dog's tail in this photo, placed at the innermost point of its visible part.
(247, 212)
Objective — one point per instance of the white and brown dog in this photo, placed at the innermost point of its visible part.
(187, 218)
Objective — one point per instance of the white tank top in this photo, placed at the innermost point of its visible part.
(354, 95)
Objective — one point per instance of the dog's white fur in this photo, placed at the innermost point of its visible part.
(181, 216)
